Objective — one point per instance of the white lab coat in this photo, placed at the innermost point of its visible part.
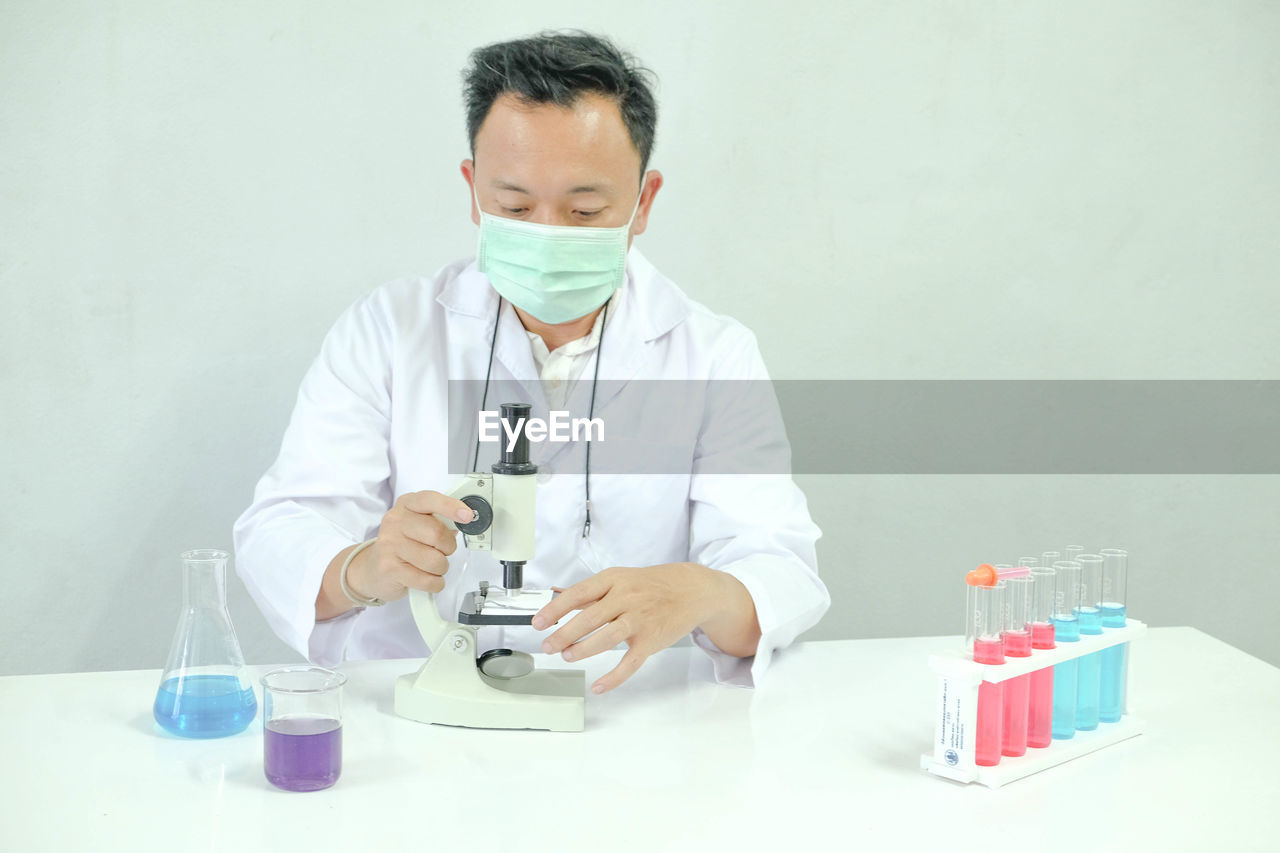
(369, 426)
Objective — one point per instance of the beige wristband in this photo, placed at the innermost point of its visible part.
(354, 598)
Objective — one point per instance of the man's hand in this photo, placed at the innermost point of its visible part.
(410, 553)
(648, 609)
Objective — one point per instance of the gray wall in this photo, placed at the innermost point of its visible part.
(193, 192)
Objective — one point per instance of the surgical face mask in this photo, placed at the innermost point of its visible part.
(557, 273)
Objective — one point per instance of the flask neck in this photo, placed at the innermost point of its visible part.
(204, 584)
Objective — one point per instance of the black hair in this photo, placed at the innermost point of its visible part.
(558, 68)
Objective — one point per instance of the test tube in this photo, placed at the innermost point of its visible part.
(1111, 687)
(1066, 629)
(1090, 671)
(983, 629)
(1048, 558)
(1017, 644)
(1040, 705)
(1029, 562)
(1072, 552)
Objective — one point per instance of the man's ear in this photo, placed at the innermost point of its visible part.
(468, 169)
(648, 191)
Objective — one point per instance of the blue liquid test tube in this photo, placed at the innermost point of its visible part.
(1115, 571)
(1066, 629)
(1089, 675)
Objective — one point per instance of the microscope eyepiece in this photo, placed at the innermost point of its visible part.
(515, 460)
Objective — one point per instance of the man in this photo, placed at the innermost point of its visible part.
(348, 519)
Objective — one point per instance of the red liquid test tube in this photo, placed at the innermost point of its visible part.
(1040, 703)
(984, 626)
(1017, 644)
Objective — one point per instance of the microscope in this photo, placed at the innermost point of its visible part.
(500, 689)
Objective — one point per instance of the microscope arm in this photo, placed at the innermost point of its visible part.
(431, 624)
(476, 491)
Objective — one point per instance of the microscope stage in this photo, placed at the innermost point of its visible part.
(496, 606)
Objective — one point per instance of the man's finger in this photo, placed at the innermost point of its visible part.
(429, 531)
(421, 556)
(575, 597)
(588, 619)
(434, 503)
(602, 640)
(414, 578)
(626, 668)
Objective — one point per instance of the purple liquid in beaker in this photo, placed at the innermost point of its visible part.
(302, 753)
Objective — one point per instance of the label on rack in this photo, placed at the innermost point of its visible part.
(956, 725)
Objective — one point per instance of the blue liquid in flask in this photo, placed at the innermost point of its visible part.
(205, 706)
(203, 692)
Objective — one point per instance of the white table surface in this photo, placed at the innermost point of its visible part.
(826, 754)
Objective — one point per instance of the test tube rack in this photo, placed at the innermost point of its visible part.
(956, 724)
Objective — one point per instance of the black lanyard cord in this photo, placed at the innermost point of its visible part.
(591, 413)
(484, 400)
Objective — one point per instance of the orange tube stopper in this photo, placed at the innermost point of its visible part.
(984, 575)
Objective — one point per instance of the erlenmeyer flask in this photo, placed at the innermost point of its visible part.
(205, 691)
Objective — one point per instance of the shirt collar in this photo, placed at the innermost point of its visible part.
(577, 346)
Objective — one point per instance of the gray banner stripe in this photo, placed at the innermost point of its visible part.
(909, 426)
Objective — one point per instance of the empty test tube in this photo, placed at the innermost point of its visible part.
(1090, 666)
(1017, 644)
(983, 628)
(1072, 552)
(1066, 629)
(1040, 702)
(1112, 604)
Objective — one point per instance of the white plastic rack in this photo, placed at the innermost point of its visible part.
(956, 725)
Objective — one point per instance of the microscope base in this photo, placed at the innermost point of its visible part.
(450, 690)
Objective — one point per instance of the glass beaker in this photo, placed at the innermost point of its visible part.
(204, 691)
(302, 727)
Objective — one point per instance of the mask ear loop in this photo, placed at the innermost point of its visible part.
(591, 413)
(632, 219)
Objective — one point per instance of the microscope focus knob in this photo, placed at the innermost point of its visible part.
(484, 516)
